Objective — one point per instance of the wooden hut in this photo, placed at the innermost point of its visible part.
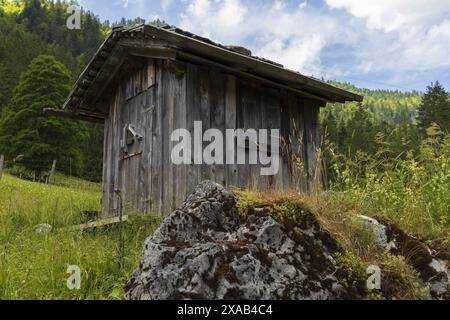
(146, 81)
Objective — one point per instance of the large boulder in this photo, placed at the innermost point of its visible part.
(206, 250)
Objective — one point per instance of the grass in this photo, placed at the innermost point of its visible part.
(412, 192)
(76, 183)
(359, 251)
(33, 265)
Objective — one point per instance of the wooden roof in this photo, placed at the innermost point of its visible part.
(174, 43)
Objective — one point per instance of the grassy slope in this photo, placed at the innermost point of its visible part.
(33, 266)
(400, 279)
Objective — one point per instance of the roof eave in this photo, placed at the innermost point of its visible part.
(251, 64)
(255, 65)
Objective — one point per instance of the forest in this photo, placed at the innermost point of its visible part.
(388, 156)
(33, 31)
(35, 39)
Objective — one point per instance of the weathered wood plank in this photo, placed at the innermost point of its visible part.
(232, 177)
(148, 165)
(117, 178)
(311, 114)
(193, 105)
(96, 224)
(243, 170)
(73, 116)
(151, 73)
(285, 143)
(168, 85)
(157, 176)
(124, 168)
(254, 121)
(106, 166)
(273, 121)
(180, 122)
(263, 181)
(137, 120)
(217, 112)
(205, 111)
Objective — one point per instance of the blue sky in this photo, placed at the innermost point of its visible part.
(390, 44)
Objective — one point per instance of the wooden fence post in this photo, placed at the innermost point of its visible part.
(52, 173)
(2, 158)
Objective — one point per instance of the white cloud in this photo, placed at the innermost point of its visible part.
(390, 15)
(272, 30)
(219, 19)
(301, 55)
(354, 37)
(425, 49)
(166, 4)
(415, 35)
(279, 5)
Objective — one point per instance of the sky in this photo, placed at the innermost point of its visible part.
(378, 44)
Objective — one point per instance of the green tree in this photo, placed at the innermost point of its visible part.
(17, 49)
(359, 128)
(27, 133)
(435, 108)
(6, 84)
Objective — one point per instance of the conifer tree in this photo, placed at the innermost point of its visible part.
(27, 133)
(435, 108)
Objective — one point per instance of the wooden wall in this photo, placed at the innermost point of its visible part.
(160, 96)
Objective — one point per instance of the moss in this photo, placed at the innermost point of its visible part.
(247, 200)
(400, 280)
(354, 244)
(375, 295)
(288, 209)
(290, 212)
(353, 270)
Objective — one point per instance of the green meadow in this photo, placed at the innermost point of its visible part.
(34, 265)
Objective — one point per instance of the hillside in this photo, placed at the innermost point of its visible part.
(386, 105)
(33, 265)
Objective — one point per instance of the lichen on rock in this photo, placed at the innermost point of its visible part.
(206, 250)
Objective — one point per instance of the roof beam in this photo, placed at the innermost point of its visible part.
(73, 116)
(193, 58)
(263, 68)
(151, 52)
